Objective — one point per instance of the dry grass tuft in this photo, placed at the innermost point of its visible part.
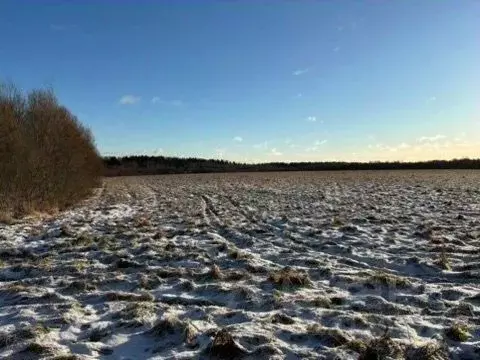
(443, 261)
(458, 332)
(427, 351)
(83, 240)
(238, 254)
(18, 335)
(172, 325)
(322, 302)
(357, 345)
(280, 318)
(169, 325)
(386, 279)
(81, 285)
(122, 296)
(224, 346)
(6, 218)
(337, 222)
(330, 337)
(289, 277)
(38, 349)
(67, 357)
(190, 334)
(381, 348)
(140, 313)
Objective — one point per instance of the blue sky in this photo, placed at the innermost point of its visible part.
(257, 81)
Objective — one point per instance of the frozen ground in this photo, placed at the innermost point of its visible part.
(255, 266)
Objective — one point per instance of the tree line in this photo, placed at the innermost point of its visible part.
(155, 165)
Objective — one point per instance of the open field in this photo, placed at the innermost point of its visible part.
(289, 265)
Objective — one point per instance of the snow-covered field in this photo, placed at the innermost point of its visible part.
(255, 266)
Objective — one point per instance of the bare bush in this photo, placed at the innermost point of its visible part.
(48, 159)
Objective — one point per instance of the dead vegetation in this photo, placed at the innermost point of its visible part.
(223, 346)
(138, 313)
(383, 347)
(427, 351)
(123, 296)
(385, 279)
(215, 273)
(443, 260)
(288, 276)
(172, 325)
(22, 334)
(458, 332)
(38, 349)
(328, 336)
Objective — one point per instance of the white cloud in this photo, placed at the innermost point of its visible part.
(431, 138)
(311, 118)
(238, 139)
(299, 95)
(432, 99)
(300, 72)
(275, 152)
(158, 100)
(316, 145)
(263, 145)
(129, 99)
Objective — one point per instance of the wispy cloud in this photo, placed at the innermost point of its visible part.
(431, 138)
(176, 103)
(263, 145)
(129, 99)
(61, 27)
(431, 99)
(386, 148)
(158, 100)
(299, 95)
(336, 49)
(275, 152)
(300, 71)
(316, 145)
(311, 119)
(238, 139)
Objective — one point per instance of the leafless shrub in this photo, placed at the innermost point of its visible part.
(48, 160)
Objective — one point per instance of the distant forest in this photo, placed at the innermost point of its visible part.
(154, 165)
